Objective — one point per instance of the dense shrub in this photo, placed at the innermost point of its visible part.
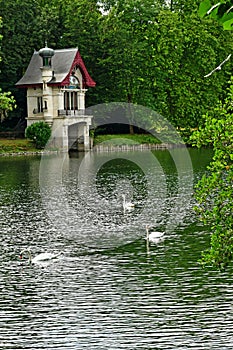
(39, 133)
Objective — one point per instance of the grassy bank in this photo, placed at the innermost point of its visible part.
(16, 146)
(24, 145)
(125, 139)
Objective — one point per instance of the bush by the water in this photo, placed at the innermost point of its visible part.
(39, 133)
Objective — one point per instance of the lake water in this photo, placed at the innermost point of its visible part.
(108, 290)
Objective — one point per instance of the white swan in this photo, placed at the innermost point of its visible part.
(127, 205)
(39, 258)
(155, 236)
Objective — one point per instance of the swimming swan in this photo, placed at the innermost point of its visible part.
(39, 258)
(127, 205)
(155, 236)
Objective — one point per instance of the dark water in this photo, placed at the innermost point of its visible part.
(107, 290)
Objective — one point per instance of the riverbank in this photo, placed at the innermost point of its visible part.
(8, 146)
(119, 142)
(20, 147)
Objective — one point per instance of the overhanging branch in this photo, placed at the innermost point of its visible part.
(219, 67)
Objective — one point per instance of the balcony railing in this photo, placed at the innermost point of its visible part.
(72, 113)
(41, 110)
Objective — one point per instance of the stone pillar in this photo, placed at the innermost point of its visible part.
(86, 137)
(47, 95)
(59, 136)
(81, 99)
(60, 102)
(65, 137)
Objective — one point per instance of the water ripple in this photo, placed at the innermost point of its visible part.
(107, 297)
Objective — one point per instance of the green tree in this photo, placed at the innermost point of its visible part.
(157, 55)
(184, 49)
(81, 28)
(27, 25)
(7, 104)
(18, 38)
(7, 101)
(215, 191)
(154, 53)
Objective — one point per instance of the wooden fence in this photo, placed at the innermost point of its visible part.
(141, 147)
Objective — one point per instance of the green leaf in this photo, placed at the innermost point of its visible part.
(204, 8)
(228, 24)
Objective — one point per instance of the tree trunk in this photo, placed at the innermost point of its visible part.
(131, 129)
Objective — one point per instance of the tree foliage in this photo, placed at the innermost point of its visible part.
(215, 190)
(222, 11)
(7, 104)
(7, 101)
(158, 57)
(152, 52)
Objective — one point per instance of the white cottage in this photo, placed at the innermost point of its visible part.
(56, 83)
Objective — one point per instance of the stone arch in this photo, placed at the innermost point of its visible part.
(78, 135)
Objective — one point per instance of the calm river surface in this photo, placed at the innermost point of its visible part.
(107, 290)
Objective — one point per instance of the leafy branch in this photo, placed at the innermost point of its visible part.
(222, 11)
(214, 191)
(219, 67)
